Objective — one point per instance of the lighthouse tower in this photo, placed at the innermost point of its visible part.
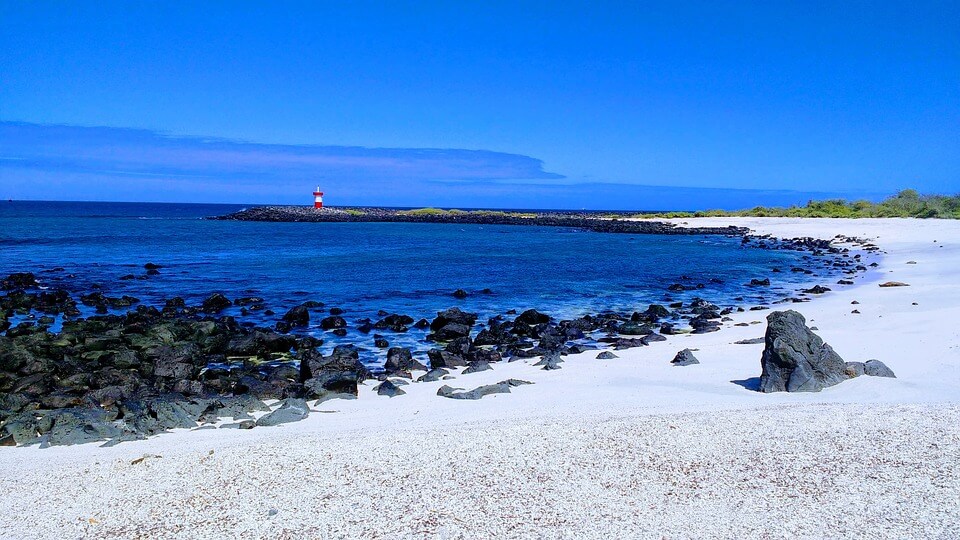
(317, 198)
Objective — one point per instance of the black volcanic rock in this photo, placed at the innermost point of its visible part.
(297, 316)
(400, 359)
(215, 303)
(684, 358)
(333, 322)
(453, 315)
(795, 359)
(532, 317)
(21, 280)
(389, 389)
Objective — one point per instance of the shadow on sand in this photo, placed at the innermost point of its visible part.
(753, 383)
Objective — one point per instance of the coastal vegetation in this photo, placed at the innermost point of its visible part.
(906, 203)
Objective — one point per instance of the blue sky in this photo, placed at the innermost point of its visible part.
(521, 104)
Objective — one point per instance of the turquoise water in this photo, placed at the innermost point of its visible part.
(366, 267)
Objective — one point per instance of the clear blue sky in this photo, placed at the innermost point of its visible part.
(523, 104)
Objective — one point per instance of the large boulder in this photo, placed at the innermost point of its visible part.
(795, 359)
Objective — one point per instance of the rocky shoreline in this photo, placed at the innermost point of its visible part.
(117, 377)
(607, 223)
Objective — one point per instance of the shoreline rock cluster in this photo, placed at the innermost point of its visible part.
(126, 376)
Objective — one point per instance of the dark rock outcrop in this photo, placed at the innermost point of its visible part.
(795, 359)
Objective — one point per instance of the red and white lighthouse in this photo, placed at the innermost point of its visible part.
(317, 198)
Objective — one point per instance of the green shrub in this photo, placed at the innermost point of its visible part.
(906, 203)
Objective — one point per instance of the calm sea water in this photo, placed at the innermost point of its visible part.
(366, 267)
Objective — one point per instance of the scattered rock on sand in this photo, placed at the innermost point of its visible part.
(751, 341)
(606, 355)
(853, 369)
(476, 367)
(894, 284)
(795, 359)
(876, 368)
(387, 388)
(433, 375)
(290, 410)
(652, 338)
(550, 361)
(502, 387)
(243, 424)
(684, 358)
(817, 289)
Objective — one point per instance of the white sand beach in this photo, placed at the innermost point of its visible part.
(631, 447)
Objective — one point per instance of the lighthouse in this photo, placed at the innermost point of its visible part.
(317, 198)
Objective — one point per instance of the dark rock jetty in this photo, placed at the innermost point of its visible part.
(608, 222)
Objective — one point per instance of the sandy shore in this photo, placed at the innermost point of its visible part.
(630, 447)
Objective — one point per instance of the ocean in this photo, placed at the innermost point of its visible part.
(366, 268)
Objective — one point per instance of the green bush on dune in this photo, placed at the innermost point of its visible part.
(907, 203)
